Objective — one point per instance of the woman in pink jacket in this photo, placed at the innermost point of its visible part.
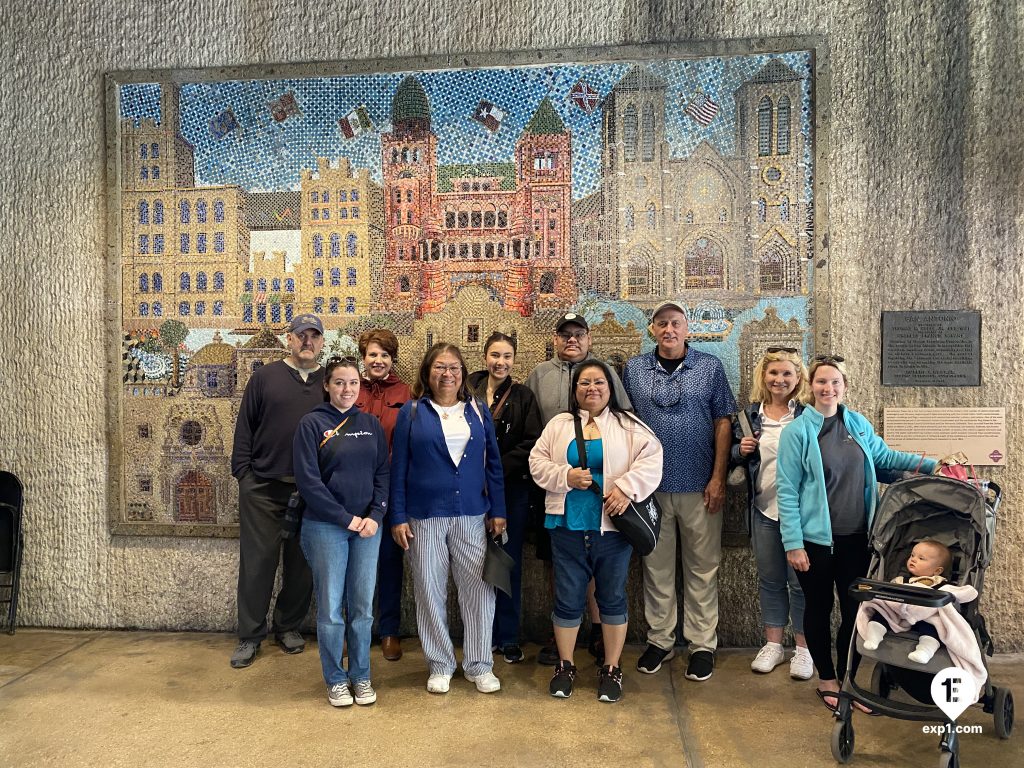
(623, 459)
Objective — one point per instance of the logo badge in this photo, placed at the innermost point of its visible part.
(953, 690)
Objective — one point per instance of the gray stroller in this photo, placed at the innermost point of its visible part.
(962, 516)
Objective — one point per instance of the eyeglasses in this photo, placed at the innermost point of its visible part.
(828, 359)
(343, 360)
(443, 369)
(565, 336)
(773, 350)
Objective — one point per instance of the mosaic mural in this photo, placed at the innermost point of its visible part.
(443, 204)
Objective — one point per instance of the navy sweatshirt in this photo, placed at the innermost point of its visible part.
(355, 480)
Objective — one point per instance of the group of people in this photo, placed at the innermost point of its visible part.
(433, 472)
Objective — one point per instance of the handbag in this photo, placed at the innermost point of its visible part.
(738, 475)
(292, 521)
(640, 522)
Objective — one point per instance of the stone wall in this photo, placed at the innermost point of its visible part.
(924, 168)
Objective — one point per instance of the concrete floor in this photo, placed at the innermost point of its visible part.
(75, 698)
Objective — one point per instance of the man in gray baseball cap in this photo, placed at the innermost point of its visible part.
(277, 396)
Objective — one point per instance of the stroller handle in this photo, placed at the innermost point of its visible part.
(863, 590)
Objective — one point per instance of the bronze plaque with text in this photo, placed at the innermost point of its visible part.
(931, 348)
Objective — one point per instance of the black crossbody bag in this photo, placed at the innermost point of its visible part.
(296, 504)
(640, 523)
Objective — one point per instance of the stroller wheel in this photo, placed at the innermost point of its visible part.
(1002, 712)
(842, 740)
(880, 681)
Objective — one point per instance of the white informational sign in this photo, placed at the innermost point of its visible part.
(980, 433)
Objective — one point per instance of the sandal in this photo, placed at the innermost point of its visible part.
(830, 694)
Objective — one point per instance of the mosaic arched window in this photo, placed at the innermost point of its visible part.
(261, 313)
(248, 286)
(350, 305)
(639, 275)
(158, 211)
(335, 305)
(143, 283)
(782, 126)
(143, 309)
(394, 155)
(351, 276)
(289, 284)
(186, 215)
(143, 212)
(350, 245)
(261, 284)
(156, 172)
(200, 281)
(154, 150)
(158, 243)
(784, 209)
(200, 308)
(403, 284)
(158, 309)
(158, 282)
(183, 308)
(772, 269)
(629, 131)
(247, 313)
(335, 246)
(547, 282)
(762, 209)
(704, 265)
(218, 242)
(288, 313)
(275, 284)
(648, 133)
(318, 277)
(201, 211)
(218, 210)
(335, 276)
(630, 217)
(764, 127)
(183, 245)
(144, 173)
(318, 246)
(275, 313)
(652, 216)
(143, 151)
(218, 307)
(185, 282)
(218, 281)
(201, 242)
(502, 219)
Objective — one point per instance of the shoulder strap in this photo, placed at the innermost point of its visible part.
(581, 446)
(327, 448)
(501, 403)
(745, 428)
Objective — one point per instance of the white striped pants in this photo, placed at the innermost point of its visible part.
(459, 543)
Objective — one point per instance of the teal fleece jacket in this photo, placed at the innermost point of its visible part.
(803, 505)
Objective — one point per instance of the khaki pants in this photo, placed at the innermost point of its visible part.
(700, 535)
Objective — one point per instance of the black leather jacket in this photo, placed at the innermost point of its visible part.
(517, 427)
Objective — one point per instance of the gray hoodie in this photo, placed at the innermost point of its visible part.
(550, 383)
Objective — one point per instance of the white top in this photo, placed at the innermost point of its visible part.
(455, 428)
(765, 492)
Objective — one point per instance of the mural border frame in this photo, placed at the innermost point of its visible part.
(819, 306)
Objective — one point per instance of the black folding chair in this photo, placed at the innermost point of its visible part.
(11, 543)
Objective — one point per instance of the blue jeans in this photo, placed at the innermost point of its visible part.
(578, 557)
(778, 588)
(390, 575)
(344, 569)
(507, 609)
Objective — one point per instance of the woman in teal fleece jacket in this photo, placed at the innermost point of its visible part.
(827, 491)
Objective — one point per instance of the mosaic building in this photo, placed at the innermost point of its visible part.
(704, 225)
(502, 225)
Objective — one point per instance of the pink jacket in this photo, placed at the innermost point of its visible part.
(632, 459)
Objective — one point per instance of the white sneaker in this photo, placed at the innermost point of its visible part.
(340, 695)
(485, 682)
(768, 658)
(439, 683)
(800, 666)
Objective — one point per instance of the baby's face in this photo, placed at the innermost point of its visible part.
(924, 560)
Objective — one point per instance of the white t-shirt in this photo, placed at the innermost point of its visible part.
(455, 428)
(766, 493)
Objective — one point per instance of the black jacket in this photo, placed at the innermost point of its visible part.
(517, 426)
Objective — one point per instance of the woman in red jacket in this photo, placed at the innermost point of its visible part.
(382, 393)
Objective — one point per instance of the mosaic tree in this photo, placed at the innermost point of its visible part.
(172, 335)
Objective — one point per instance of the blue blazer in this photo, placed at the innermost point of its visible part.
(425, 482)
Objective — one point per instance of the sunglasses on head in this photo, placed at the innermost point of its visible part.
(790, 350)
(828, 359)
(339, 360)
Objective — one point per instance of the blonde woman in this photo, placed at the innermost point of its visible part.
(780, 387)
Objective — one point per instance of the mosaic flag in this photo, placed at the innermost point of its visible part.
(355, 123)
(284, 107)
(489, 115)
(223, 123)
(584, 97)
(701, 108)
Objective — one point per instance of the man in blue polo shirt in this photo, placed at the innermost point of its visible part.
(683, 395)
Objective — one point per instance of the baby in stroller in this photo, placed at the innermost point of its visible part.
(928, 560)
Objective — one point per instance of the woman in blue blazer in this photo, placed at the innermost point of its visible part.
(447, 490)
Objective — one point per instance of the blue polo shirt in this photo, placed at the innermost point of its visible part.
(681, 407)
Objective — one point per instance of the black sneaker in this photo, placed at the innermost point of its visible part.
(548, 655)
(561, 683)
(512, 653)
(596, 644)
(652, 658)
(609, 684)
(700, 666)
